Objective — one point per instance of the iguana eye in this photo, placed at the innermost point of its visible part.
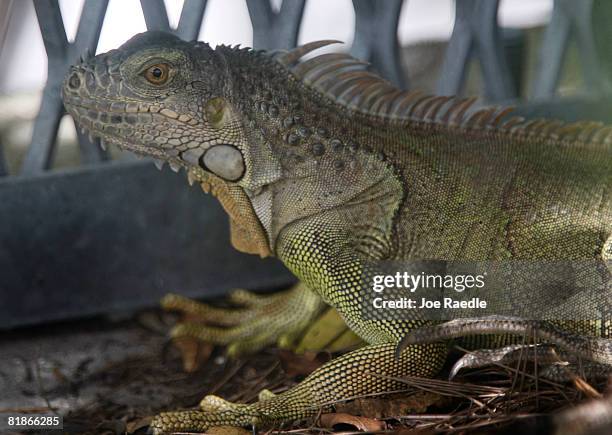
(157, 74)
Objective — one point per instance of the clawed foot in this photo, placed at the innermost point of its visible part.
(256, 322)
(214, 411)
(595, 349)
(556, 366)
(506, 356)
(562, 353)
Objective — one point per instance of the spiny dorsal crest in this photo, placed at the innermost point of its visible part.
(347, 81)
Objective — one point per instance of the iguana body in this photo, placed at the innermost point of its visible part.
(331, 169)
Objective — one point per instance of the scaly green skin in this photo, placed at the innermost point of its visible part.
(257, 322)
(330, 191)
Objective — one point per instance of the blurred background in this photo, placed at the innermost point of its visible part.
(86, 231)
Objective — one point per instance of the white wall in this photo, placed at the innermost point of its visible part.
(23, 61)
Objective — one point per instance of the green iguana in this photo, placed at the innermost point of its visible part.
(331, 169)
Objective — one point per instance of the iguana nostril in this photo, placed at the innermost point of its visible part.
(74, 82)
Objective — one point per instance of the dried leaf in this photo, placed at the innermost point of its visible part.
(193, 352)
(227, 430)
(392, 405)
(135, 425)
(303, 364)
(415, 431)
(364, 424)
(586, 388)
(59, 376)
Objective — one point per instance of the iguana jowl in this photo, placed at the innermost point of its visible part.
(330, 168)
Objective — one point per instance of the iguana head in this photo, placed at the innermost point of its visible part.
(161, 97)
(237, 120)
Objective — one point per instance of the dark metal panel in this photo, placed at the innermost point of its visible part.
(3, 168)
(97, 240)
(602, 34)
(376, 40)
(61, 54)
(90, 26)
(498, 83)
(52, 28)
(40, 152)
(86, 41)
(554, 48)
(190, 22)
(39, 155)
(515, 45)
(570, 19)
(6, 8)
(568, 109)
(275, 30)
(476, 34)
(458, 53)
(155, 15)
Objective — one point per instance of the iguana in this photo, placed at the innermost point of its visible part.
(331, 169)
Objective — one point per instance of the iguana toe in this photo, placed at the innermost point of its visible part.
(504, 356)
(200, 421)
(214, 411)
(595, 349)
(265, 394)
(259, 321)
(206, 312)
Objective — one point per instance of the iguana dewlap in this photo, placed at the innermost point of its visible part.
(331, 169)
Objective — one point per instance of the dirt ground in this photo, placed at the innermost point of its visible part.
(102, 374)
(110, 376)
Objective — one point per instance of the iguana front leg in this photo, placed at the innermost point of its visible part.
(324, 258)
(364, 371)
(257, 322)
(296, 319)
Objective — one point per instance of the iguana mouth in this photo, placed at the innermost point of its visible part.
(110, 123)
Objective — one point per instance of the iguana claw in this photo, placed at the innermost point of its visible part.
(257, 322)
(214, 411)
(595, 349)
(200, 421)
(506, 355)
